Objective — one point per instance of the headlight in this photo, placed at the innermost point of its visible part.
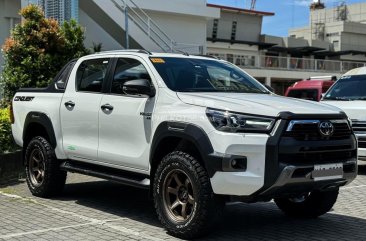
(235, 122)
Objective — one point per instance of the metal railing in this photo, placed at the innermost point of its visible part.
(289, 63)
(144, 22)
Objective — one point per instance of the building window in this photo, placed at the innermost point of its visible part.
(215, 28)
(336, 44)
(233, 30)
(332, 34)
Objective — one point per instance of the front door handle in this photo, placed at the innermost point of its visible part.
(107, 107)
(69, 104)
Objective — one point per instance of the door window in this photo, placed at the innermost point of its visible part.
(91, 75)
(126, 70)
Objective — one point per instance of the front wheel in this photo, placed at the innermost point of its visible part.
(44, 177)
(310, 205)
(183, 197)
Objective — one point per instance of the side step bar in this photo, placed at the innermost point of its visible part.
(120, 176)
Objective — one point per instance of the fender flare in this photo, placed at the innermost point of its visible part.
(195, 135)
(43, 120)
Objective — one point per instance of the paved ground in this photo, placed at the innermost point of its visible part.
(93, 209)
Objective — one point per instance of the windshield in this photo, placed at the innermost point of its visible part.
(201, 75)
(348, 88)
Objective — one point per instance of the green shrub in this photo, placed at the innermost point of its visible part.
(37, 49)
(6, 139)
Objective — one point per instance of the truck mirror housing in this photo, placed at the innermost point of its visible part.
(139, 87)
(269, 88)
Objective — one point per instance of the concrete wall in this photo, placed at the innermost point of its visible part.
(196, 8)
(184, 22)
(181, 28)
(249, 27)
(95, 33)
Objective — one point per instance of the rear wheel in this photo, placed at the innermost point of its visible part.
(310, 205)
(184, 200)
(44, 177)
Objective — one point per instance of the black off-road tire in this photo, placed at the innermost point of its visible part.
(207, 206)
(54, 179)
(314, 205)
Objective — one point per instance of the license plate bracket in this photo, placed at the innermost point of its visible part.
(327, 172)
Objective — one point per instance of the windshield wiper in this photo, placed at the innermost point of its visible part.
(197, 90)
(338, 98)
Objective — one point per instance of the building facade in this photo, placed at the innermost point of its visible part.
(333, 43)
(9, 17)
(61, 10)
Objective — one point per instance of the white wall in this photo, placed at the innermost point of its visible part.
(8, 18)
(95, 33)
(181, 28)
(196, 8)
(248, 28)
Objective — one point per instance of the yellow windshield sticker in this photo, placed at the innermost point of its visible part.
(157, 60)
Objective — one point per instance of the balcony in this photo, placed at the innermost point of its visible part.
(290, 64)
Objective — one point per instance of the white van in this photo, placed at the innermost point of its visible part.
(349, 94)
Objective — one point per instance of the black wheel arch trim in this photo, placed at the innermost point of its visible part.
(43, 120)
(194, 134)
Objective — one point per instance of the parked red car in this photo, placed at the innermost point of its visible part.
(312, 88)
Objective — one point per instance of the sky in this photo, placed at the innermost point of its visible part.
(288, 13)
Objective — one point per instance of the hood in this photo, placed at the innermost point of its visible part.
(258, 104)
(355, 110)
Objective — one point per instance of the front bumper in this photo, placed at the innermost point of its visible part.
(361, 146)
(279, 166)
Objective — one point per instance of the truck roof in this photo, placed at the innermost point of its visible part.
(357, 71)
(312, 83)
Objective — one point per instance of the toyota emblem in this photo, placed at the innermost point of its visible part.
(326, 128)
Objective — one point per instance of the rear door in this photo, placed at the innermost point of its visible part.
(80, 108)
(125, 127)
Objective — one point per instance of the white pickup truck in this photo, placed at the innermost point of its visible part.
(194, 130)
(349, 94)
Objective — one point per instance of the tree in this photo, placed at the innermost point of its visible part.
(37, 49)
(97, 47)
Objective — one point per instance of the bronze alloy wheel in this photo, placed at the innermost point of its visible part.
(36, 167)
(178, 193)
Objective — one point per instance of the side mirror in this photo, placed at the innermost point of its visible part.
(270, 88)
(141, 87)
(60, 85)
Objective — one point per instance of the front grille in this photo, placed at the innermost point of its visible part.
(303, 144)
(309, 130)
(359, 126)
(362, 142)
(317, 157)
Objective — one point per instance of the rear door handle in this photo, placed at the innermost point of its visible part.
(107, 107)
(69, 104)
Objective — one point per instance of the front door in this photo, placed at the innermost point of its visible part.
(124, 124)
